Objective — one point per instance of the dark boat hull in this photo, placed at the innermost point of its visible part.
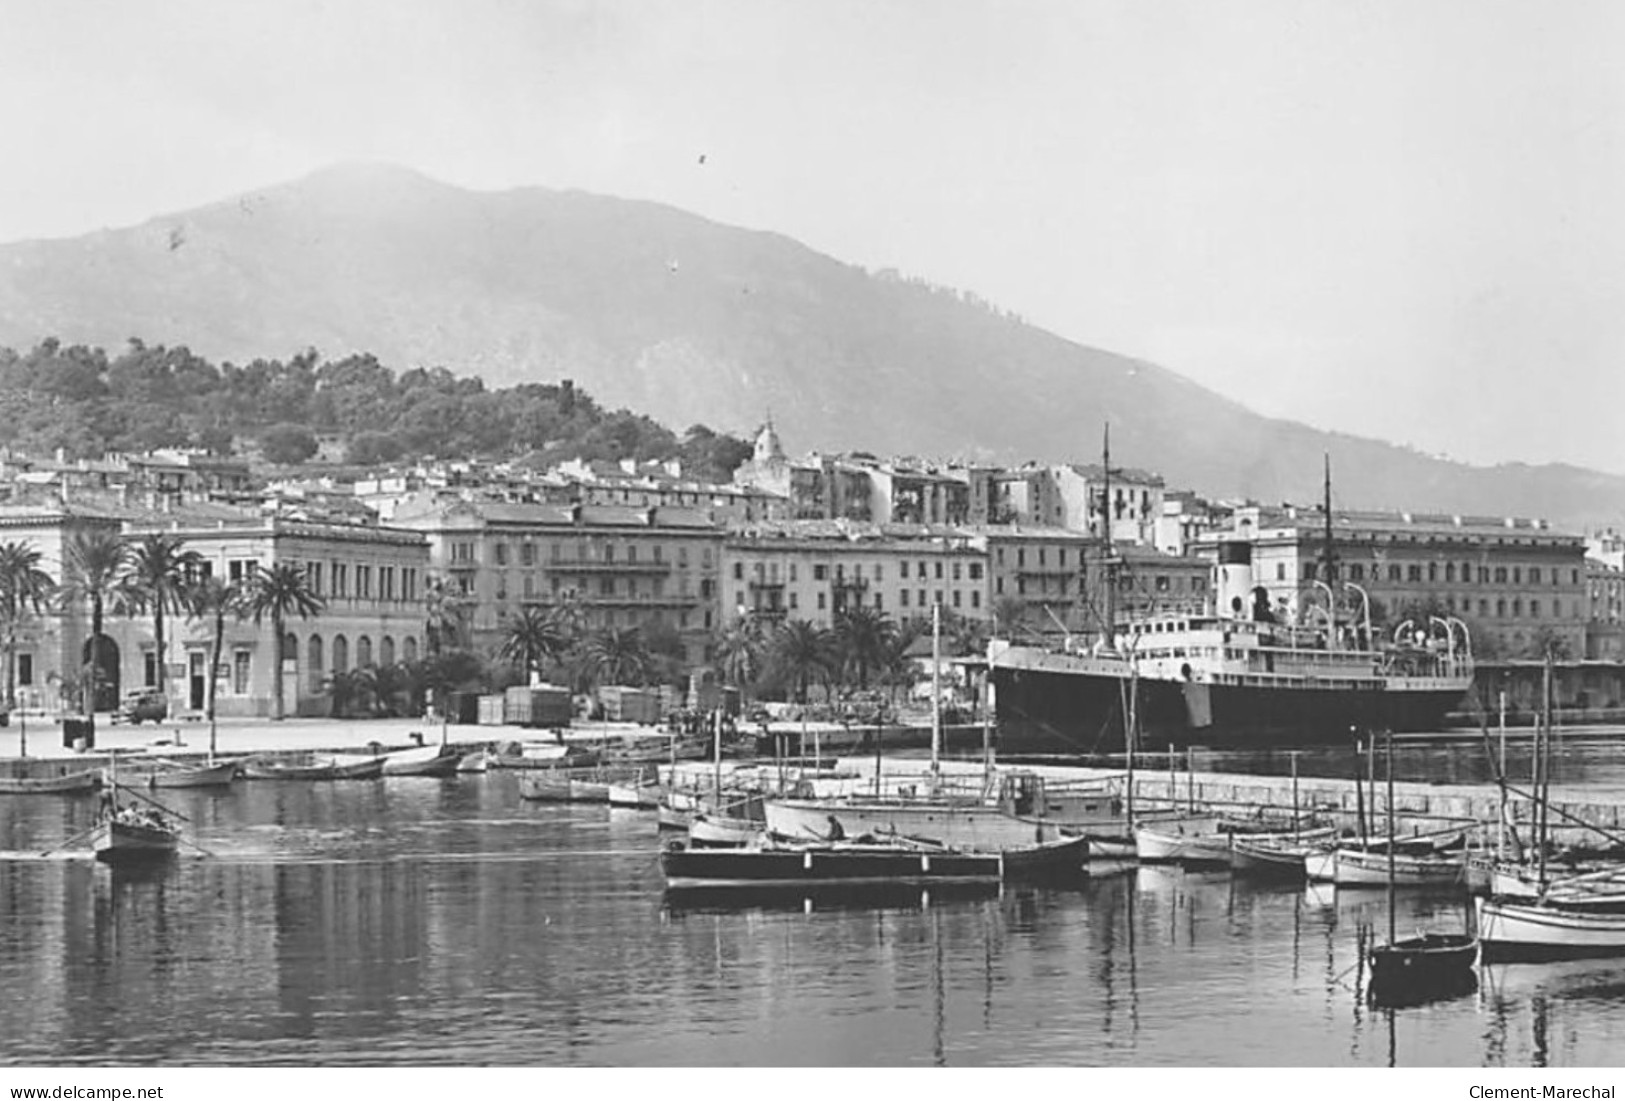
(1430, 965)
(1045, 711)
(827, 866)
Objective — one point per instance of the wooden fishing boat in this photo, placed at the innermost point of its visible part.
(133, 834)
(477, 761)
(796, 866)
(633, 797)
(544, 786)
(1545, 930)
(219, 774)
(1366, 868)
(1273, 857)
(68, 783)
(719, 831)
(427, 761)
(585, 789)
(369, 768)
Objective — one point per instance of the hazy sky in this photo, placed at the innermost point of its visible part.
(1400, 219)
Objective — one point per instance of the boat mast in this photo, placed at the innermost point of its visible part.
(936, 688)
(1109, 564)
(1328, 561)
(1392, 918)
(1544, 791)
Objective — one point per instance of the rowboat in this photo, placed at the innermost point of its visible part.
(133, 834)
(795, 866)
(1426, 962)
(68, 783)
(1422, 963)
(219, 774)
(428, 761)
(1068, 856)
(369, 768)
(1261, 856)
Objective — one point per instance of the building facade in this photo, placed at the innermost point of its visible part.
(1514, 582)
(619, 566)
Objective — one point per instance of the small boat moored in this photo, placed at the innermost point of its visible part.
(67, 783)
(335, 768)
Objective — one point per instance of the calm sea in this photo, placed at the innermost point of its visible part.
(413, 921)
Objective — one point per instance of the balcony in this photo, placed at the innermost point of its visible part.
(622, 568)
(769, 586)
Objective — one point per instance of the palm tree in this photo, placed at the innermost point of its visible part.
(802, 651)
(215, 599)
(616, 655)
(94, 565)
(25, 589)
(860, 639)
(159, 581)
(535, 639)
(897, 668)
(739, 650)
(279, 592)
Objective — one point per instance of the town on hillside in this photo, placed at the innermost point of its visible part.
(406, 562)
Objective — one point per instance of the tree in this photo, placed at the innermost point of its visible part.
(1009, 617)
(860, 640)
(94, 565)
(280, 592)
(158, 581)
(25, 589)
(287, 444)
(445, 609)
(536, 638)
(616, 655)
(738, 650)
(214, 599)
(802, 652)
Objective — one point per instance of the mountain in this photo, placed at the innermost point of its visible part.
(691, 321)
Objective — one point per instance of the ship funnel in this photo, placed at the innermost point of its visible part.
(1235, 582)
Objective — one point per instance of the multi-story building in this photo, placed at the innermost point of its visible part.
(622, 567)
(370, 579)
(1040, 570)
(814, 570)
(1513, 581)
(1605, 630)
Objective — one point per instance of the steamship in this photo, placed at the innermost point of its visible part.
(1242, 674)
(1236, 676)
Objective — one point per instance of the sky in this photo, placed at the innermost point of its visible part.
(1403, 220)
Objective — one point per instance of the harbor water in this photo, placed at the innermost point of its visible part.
(419, 921)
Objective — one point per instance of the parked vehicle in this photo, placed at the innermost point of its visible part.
(141, 705)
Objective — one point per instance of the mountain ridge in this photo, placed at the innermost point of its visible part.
(690, 320)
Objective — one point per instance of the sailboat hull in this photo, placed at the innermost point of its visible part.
(1530, 931)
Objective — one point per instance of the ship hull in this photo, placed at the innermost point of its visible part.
(1054, 711)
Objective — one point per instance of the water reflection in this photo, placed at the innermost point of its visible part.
(448, 922)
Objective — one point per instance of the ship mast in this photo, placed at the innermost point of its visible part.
(1108, 564)
(1328, 560)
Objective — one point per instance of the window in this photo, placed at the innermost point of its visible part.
(821, 601)
(25, 669)
(313, 577)
(1449, 571)
(975, 598)
(820, 573)
(149, 669)
(794, 602)
(1433, 571)
(501, 551)
(1534, 575)
(1357, 572)
(409, 585)
(527, 554)
(739, 571)
(386, 582)
(880, 571)
(1394, 573)
(1021, 557)
(1517, 575)
(792, 571)
(976, 571)
(1280, 571)
(902, 598)
(363, 582)
(921, 593)
(1500, 575)
(1413, 572)
(956, 598)
(956, 571)
(462, 551)
(240, 660)
(341, 579)
(880, 604)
